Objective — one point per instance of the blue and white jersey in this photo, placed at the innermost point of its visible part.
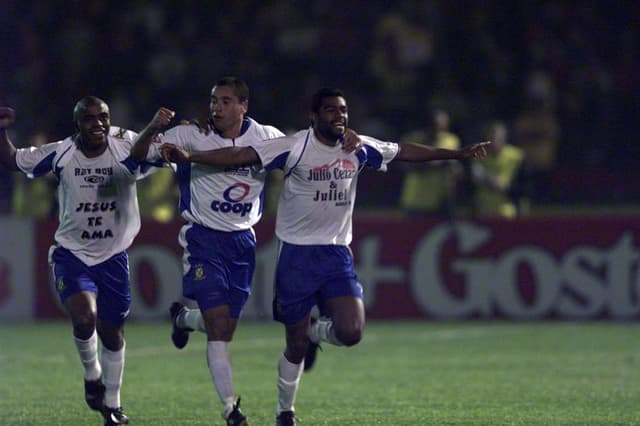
(319, 191)
(220, 198)
(99, 214)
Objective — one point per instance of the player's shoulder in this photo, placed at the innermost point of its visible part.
(376, 149)
(266, 131)
(61, 143)
(377, 143)
(370, 140)
(273, 132)
(290, 139)
(189, 131)
(120, 134)
(300, 135)
(49, 147)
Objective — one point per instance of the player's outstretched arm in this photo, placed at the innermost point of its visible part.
(224, 157)
(141, 145)
(7, 149)
(419, 153)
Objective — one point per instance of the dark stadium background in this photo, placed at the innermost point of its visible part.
(574, 66)
(540, 312)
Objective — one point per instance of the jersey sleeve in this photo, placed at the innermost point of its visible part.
(378, 153)
(272, 132)
(121, 141)
(38, 161)
(273, 153)
(178, 135)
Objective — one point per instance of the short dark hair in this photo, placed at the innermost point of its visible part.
(85, 102)
(240, 88)
(325, 92)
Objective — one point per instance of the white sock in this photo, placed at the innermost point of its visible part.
(288, 382)
(219, 360)
(322, 331)
(191, 318)
(113, 367)
(88, 351)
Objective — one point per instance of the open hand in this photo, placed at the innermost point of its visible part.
(351, 141)
(174, 154)
(476, 150)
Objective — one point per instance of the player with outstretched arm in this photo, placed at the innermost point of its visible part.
(99, 219)
(221, 205)
(314, 225)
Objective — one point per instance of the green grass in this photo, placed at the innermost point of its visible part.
(403, 373)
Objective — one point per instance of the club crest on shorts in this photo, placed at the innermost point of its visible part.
(198, 273)
(60, 286)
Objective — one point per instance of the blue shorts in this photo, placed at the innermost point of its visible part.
(309, 275)
(219, 267)
(109, 280)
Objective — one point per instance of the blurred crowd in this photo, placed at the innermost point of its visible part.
(557, 82)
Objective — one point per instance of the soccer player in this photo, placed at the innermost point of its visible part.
(315, 264)
(99, 219)
(220, 205)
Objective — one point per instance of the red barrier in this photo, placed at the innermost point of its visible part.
(566, 268)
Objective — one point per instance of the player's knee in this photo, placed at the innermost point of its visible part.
(221, 329)
(349, 336)
(84, 325)
(219, 334)
(112, 339)
(296, 350)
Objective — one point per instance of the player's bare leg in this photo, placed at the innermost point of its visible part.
(344, 325)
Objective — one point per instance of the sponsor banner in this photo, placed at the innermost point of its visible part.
(16, 268)
(562, 268)
(526, 269)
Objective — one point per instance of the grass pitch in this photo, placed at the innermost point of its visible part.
(402, 373)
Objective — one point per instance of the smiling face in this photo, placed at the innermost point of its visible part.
(93, 122)
(331, 119)
(227, 110)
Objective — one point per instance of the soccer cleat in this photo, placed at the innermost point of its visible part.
(312, 351)
(286, 418)
(179, 335)
(114, 416)
(94, 393)
(235, 417)
(310, 356)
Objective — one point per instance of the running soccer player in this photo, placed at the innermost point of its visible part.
(220, 205)
(314, 225)
(99, 219)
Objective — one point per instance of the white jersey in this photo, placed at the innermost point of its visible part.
(99, 214)
(220, 198)
(319, 192)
